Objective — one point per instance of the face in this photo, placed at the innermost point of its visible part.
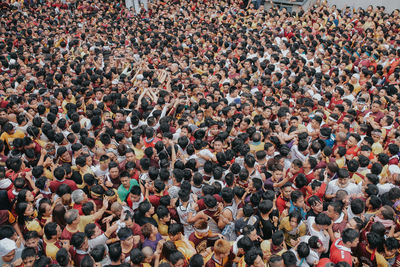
(66, 157)
(342, 182)
(114, 172)
(293, 222)
(318, 207)
(180, 263)
(300, 202)
(29, 210)
(258, 262)
(29, 262)
(9, 257)
(218, 146)
(286, 192)
(351, 142)
(32, 243)
(331, 212)
(135, 198)
(355, 243)
(125, 182)
(29, 197)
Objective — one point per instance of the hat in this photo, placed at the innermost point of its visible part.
(6, 246)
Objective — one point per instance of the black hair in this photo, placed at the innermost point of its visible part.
(115, 251)
(252, 255)
(196, 261)
(323, 219)
(349, 235)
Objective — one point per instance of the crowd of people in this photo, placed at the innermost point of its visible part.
(198, 133)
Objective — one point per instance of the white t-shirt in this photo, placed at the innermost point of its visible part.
(320, 234)
(351, 188)
(100, 240)
(204, 153)
(314, 256)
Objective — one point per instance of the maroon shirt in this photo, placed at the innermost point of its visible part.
(54, 185)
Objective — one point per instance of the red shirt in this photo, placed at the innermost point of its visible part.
(281, 204)
(55, 184)
(155, 199)
(340, 253)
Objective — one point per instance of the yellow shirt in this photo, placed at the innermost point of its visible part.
(9, 138)
(85, 220)
(51, 250)
(139, 153)
(255, 148)
(33, 225)
(288, 230)
(162, 228)
(340, 162)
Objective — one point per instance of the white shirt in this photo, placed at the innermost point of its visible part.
(351, 188)
(320, 234)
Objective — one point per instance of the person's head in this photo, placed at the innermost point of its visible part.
(135, 193)
(98, 252)
(265, 206)
(303, 250)
(79, 241)
(28, 256)
(386, 213)
(146, 209)
(315, 203)
(334, 210)
(277, 239)
(31, 239)
(72, 217)
(297, 198)
(350, 237)
(286, 190)
(125, 235)
(289, 258)
(323, 221)
(175, 231)
(52, 231)
(244, 244)
(148, 230)
(87, 261)
(375, 241)
(356, 223)
(343, 177)
(275, 261)
(222, 248)
(357, 206)
(196, 261)
(62, 257)
(7, 250)
(177, 259)
(391, 247)
(294, 218)
(254, 258)
(115, 252)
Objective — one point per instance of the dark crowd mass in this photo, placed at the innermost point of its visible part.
(198, 133)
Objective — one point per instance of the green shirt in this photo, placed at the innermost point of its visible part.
(123, 193)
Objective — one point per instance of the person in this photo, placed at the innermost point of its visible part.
(341, 247)
(220, 255)
(293, 228)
